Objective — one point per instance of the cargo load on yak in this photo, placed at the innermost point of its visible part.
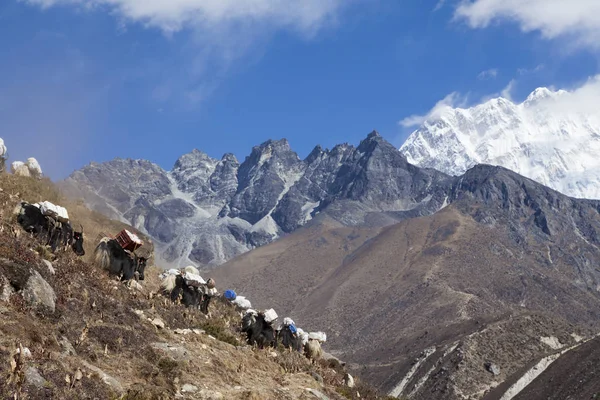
(128, 241)
(320, 336)
(270, 315)
(192, 279)
(52, 210)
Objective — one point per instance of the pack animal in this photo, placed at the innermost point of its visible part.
(109, 255)
(258, 331)
(289, 338)
(190, 295)
(50, 231)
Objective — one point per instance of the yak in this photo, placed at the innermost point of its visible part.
(52, 232)
(258, 331)
(289, 338)
(109, 255)
(191, 296)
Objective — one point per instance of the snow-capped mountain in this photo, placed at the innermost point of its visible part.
(543, 138)
(206, 211)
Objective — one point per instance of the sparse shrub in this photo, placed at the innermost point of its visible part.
(219, 332)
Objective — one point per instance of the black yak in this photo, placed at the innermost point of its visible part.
(289, 338)
(109, 255)
(258, 331)
(50, 231)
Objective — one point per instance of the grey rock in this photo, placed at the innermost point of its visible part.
(6, 290)
(492, 368)
(317, 377)
(68, 348)
(188, 388)
(177, 353)
(107, 379)
(49, 266)
(38, 293)
(33, 378)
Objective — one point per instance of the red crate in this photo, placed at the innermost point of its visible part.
(128, 242)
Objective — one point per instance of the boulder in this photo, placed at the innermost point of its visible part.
(187, 388)
(492, 368)
(38, 293)
(33, 378)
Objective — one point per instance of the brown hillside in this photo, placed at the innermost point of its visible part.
(432, 281)
(82, 335)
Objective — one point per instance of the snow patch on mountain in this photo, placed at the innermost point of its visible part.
(548, 137)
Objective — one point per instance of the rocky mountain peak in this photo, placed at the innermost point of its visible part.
(229, 158)
(557, 149)
(194, 159)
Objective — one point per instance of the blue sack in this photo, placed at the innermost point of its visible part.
(293, 329)
(230, 295)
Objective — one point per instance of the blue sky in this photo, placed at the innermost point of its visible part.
(90, 80)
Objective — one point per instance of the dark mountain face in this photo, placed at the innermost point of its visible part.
(206, 211)
(505, 274)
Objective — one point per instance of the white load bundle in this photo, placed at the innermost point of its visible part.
(320, 336)
(19, 168)
(302, 335)
(270, 315)
(54, 211)
(193, 279)
(288, 321)
(242, 302)
(3, 149)
(172, 271)
(34, 167)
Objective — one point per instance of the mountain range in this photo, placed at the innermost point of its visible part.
(542, 138)
(206, 211)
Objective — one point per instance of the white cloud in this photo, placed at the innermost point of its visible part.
(576, 19)
(488, 74)
(527, 71)
(450, 101)
(582, 99)
(439, 5)
(306, 16)
(507, 91)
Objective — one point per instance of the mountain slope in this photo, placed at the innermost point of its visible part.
(540, 138)
(206, 211)
(507, 262)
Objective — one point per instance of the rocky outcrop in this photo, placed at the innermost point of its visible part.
(38, 293)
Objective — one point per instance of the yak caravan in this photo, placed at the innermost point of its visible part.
(260, 327)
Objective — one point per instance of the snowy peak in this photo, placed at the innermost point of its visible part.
(539, 138)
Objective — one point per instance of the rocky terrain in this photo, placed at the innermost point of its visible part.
(206, 211)
(445, 306)
(541, 138)
(68, 331)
